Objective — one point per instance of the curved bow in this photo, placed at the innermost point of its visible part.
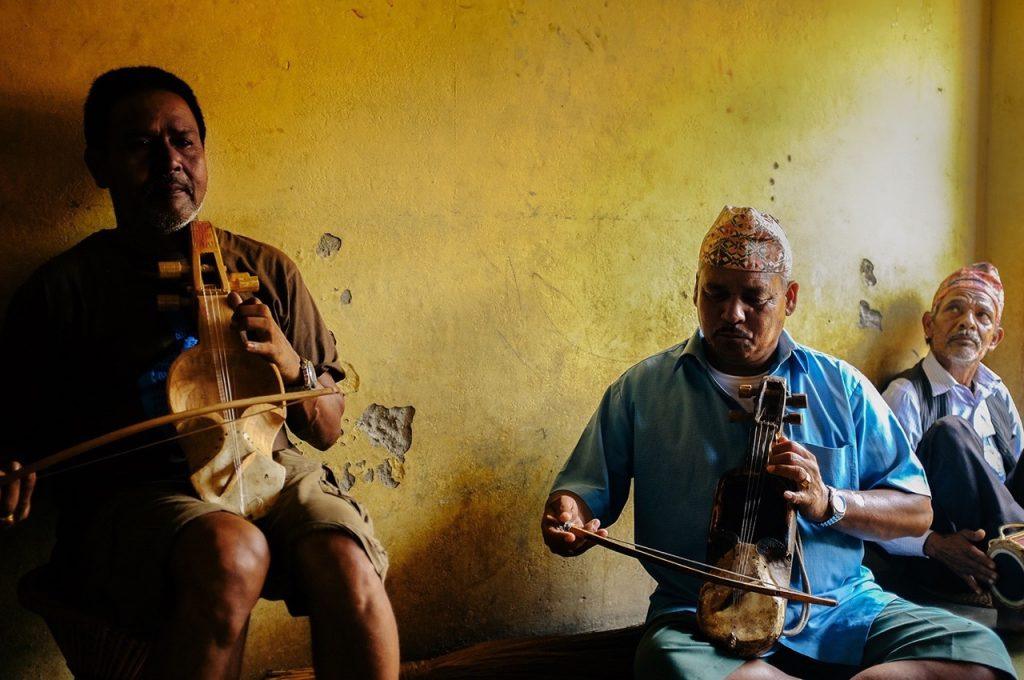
(159, 421)
(704, 571)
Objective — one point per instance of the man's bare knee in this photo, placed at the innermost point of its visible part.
(337, 568)
(219, 565)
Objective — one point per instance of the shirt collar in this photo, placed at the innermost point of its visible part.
(787, 348)
(985, 380)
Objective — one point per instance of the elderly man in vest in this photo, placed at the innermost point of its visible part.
(967, 432)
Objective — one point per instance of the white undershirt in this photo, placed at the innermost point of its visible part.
(731, 384)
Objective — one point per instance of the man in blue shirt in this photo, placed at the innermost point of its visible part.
(664, 425)
(966, 430)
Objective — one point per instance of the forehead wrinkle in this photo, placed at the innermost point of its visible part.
(971, 298)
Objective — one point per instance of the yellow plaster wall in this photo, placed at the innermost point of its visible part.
(521, 188)
(1001, 240)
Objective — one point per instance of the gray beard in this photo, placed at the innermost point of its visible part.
(166, 223)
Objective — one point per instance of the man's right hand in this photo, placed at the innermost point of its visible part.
(959, 552)
(15, 497)
(565, 508)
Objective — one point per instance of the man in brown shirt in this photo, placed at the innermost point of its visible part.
(92, 354)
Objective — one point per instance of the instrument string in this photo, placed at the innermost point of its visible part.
(227, 394)
(744, 516)
(748, 522)
(755, 477)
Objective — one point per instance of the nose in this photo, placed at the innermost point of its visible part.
(168, 157)
(732, 311)
(968, 321)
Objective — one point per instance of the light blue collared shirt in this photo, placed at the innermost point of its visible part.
(970, 403)
(664, 425)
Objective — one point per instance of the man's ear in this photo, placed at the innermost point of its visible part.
(926, 324)
(791, 294)
(97, 168)
(997, 338)
(696, 282)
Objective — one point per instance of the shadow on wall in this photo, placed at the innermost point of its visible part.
(44, 193)
(883, 354)
(46, 188)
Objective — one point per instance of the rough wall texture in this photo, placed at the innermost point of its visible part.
(498, 206)
(1002, 241)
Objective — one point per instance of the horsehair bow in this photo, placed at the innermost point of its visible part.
(704, 571)
(152, 423)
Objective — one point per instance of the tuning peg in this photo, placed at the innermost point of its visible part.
(169, 303)
(739, 416)
(242, 282)
(796, 401)
(746, 391)
(173, 270)
(793, 419)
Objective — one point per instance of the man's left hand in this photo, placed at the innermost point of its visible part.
(792, 461)
(264, 337)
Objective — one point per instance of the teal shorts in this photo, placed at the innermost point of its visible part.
(671, 649)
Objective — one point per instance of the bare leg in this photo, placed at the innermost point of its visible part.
(218, 565)
(353, 627)
(927, 669)
(756, 669)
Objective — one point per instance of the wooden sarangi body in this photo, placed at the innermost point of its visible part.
(229, 453)
(752, 532)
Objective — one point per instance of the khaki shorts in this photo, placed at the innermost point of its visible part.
(121, 561)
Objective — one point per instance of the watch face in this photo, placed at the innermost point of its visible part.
(838, 503)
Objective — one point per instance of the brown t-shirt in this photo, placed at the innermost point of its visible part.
(88, 349)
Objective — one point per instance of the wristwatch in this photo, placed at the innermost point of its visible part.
(307, 373)
(837, 504)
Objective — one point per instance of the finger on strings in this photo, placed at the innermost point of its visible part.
(797, 497)
(252, 306)
(263, 349)
(794, 472)
(234, 299)
(786, 457)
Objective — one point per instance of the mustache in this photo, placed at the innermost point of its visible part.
(966, 335)
(733, 332)
(167, 183)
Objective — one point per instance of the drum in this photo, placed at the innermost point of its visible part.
(1007, 552)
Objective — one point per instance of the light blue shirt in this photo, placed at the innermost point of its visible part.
(664, 425)
(970, 403)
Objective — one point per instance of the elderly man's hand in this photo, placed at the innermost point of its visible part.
(959, 552)
(792, 461)
(564, 508)
(15, 497)
(264, 337)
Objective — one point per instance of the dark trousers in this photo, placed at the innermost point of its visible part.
(966, 492)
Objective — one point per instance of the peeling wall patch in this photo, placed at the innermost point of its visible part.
(389, 428)
(346, 297)
(867, 272)
(391, 472)
(869, 318)
(347, 478)
(329, 244)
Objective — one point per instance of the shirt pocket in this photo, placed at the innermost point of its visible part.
(836, 464)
